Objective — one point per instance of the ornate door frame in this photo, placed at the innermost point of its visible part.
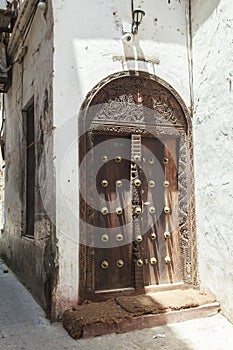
(136, 103)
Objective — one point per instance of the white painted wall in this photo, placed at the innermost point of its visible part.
(213, 131)
(32, 78)
(88, 47)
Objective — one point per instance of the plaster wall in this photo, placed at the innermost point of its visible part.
(2, 166)
(89, 47)
(212, 28)
(33, 258)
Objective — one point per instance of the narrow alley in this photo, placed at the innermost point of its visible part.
(116, 179)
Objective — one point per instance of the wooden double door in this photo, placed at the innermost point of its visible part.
(136, 235)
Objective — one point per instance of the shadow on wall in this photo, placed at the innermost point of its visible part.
(134, 56)
(201, 11)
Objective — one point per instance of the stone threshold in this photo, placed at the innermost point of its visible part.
(129, 313)
(149, 321)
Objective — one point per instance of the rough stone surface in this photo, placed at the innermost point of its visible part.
(212, 26)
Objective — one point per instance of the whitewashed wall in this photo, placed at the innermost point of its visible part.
(213, 126)
(88, 47)
(32, 79)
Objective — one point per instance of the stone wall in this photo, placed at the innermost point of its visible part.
(212, 29)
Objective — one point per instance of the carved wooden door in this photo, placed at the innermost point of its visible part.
(113, 259)
(136, 243)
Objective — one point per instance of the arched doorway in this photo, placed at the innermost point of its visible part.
(137, 230)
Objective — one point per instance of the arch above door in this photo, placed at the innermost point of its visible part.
(136, 108)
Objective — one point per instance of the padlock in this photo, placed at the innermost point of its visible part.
(139, 238)
(137, 182)
(153, 261)
(120, 263)
(151, 183)
(104, 238)
(104, 183)
(139, 262)
(119, 211)
(104, 210)
(104, 264)
(166, 210)
(118, 159)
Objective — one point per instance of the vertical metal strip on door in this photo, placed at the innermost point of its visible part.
(136, 157)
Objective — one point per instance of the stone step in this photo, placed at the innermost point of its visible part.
(149, 321)
(128, 313)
